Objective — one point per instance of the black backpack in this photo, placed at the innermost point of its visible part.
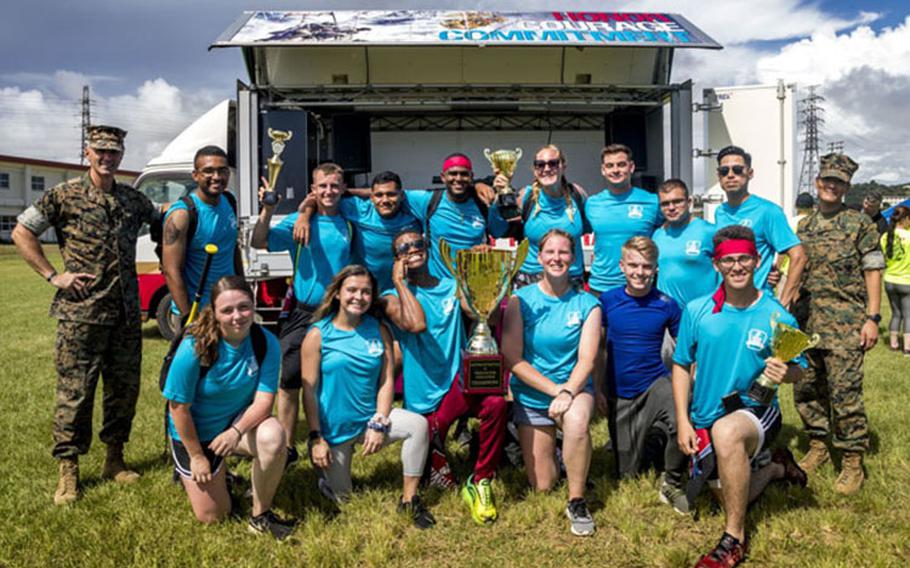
(437, 196)
(156, 230)
(260, 346)
(526, 205)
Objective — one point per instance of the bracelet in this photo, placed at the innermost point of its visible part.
(378, 427)
(568, 392)
(50, 276)
(236, 429)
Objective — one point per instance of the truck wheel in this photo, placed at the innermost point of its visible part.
(162, 316)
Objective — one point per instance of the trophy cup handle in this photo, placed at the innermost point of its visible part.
(445, 253)
(521, 253)
(488, 155)
(518, 154)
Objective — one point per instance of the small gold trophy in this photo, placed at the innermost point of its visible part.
(505, 161)
(787, 343)
(279, 140)
(484, 279)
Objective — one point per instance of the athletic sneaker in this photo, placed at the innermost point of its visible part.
(420, 515)
(580, 518)
(479, 497)
(270, 523)
(673, 495)
(440, 474)
(729, 552)
(293, 456)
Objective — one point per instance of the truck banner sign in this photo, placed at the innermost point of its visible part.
(432, 27)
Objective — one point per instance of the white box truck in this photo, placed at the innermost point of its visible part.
(399, 90)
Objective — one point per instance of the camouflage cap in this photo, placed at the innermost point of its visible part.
(838, 166)
(102, 137)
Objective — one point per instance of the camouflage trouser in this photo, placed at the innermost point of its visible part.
(831, 390)
(84, 351)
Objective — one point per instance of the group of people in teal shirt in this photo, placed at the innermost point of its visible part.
(373, 298)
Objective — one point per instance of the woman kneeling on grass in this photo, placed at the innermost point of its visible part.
(348, 386)
(220, 403)
(551, 336)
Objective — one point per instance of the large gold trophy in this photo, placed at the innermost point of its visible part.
(484, 279)
(787, 343)
(279, 141)
(505, 161)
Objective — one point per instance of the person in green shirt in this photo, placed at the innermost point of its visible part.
(896, 246)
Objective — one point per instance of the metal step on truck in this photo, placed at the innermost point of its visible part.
(399, 90)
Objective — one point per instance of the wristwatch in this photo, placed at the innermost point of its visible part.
(314, 436)
(875, 318)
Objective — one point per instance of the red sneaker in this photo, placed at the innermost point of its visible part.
(729, 552)
(440, 472)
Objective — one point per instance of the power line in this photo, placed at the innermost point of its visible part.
(86, 121)
(836, 147)
(811, 120)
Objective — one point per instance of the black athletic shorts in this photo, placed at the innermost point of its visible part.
(768, 421)
(182, 458)
(291, 337)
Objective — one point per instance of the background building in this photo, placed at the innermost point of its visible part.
(22, 180)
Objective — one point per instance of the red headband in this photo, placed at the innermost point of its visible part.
(457, 162)
(733, 246)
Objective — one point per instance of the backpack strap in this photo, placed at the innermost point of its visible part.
(260, 343)
(194, 217)
(432, 206)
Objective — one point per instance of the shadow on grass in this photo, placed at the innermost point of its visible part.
(789, 433)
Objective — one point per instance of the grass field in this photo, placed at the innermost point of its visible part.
(150, 523)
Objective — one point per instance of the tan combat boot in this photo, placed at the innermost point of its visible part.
(851, 475)
(68, 483)
(816, 456)
(114, 467)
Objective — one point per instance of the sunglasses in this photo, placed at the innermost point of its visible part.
(722, 171)
(418, 245)
(544, 164)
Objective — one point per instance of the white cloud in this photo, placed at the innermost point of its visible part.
(43, 121)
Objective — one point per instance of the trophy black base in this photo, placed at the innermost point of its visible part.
(761, 394)
(482, 374)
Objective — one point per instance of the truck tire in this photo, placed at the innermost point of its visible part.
(162, 316)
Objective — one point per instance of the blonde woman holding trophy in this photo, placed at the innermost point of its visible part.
(551, 336)
(549, 202)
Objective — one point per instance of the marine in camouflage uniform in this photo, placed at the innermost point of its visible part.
(97, 221)
(839, 300)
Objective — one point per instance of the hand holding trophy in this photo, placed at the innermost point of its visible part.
(484, 278)
(279, 140)
(787, 343)
(504, 162)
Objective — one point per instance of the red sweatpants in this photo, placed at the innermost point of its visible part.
(490, 409)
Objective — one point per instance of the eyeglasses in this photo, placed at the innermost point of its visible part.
(722, 171)
(546, 164)
(418, 245)
(211, 172)
(670, 202)
(728, 262)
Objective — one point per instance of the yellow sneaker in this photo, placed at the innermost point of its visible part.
(479, 497)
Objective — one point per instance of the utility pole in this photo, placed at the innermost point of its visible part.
(811, 120)
(86, 121)
(836, 147)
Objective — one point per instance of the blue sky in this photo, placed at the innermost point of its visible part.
(150, 61)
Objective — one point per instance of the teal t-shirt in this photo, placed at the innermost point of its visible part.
(773, 233)
(215, 224)
(552, 332)
(373, 238)
(328, 252)
(461, 224)
(685, 267)
(614, 219)
(349, 374)
(553, 214)
(432, 358)
(228, 387)
(729, 347)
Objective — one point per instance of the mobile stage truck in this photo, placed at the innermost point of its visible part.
(399, 90)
